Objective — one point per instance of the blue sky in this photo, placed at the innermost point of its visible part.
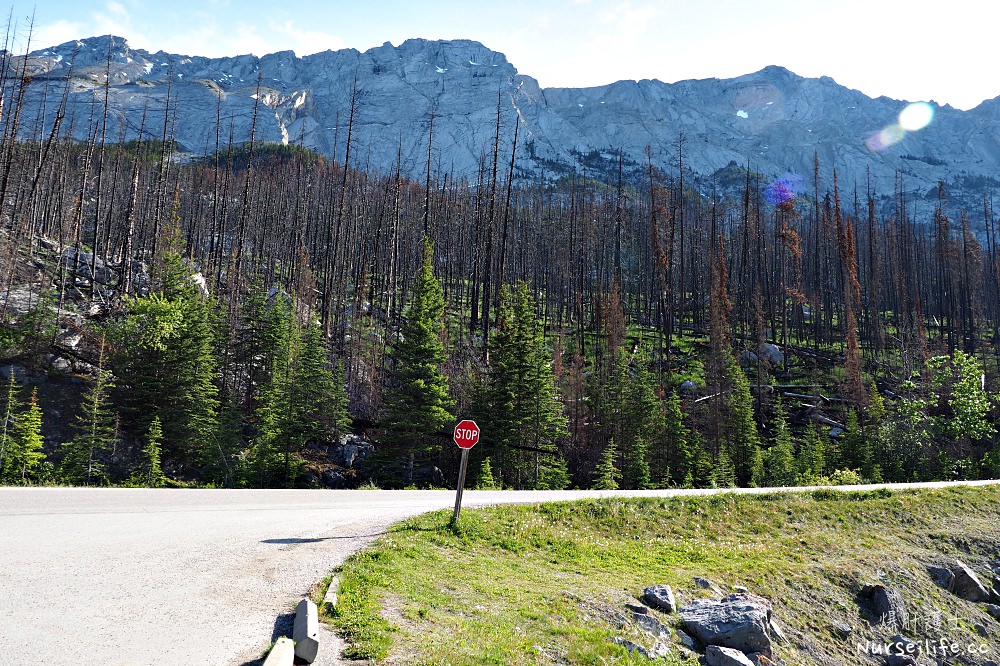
(912, 50)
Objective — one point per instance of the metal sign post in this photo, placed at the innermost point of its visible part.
(466, 435)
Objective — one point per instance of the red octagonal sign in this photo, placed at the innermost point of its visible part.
(466, 434)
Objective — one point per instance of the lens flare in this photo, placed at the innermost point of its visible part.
(882, 139)
(783, 189)
(916, 116)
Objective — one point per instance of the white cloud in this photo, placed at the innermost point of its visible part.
(304, 41)
(54, 34)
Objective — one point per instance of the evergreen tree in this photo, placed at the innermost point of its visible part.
(418, 405)
(724, 472)
(166, 365)
(83, 460)
(779, 463)
(856, 453)
(521, 403)
(8, 443)
(636, 471)
(150, 473)
(606, 475)
(486, 480)
(811, 462)
(25, 457)
(743, 441)
(675, 454)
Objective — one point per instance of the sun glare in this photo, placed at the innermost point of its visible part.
(916, 116)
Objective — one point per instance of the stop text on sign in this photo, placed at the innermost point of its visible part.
(466, 434)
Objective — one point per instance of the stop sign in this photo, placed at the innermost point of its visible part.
(466, 434)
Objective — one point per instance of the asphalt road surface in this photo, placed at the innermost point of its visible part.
(186, 577)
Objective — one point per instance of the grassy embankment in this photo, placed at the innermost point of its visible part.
(540, 584)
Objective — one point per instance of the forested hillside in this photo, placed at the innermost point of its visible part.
(235, 316)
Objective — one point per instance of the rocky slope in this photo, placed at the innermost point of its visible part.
(772, 120)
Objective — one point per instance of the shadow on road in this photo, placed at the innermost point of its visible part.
(283, 625)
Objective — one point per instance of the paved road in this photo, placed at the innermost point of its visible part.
(117, 576)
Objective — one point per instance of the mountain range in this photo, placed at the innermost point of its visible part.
(772, 121)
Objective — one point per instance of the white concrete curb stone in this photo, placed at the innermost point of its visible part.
(331, 593)
(305, 632)
(282, 654)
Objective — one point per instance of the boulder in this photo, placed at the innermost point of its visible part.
(650, 625)
(886, 605)
(723, 656)
(739, 621)
(686, 640)
(942, 576)
(771, 353)
(967, 584)
(660, 596)
(638, 608)
(993, 610)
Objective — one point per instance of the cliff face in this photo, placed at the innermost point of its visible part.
(773, 120)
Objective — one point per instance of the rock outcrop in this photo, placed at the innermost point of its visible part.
(739, 621)
(773, 119)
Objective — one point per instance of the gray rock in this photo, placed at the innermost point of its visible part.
(993, 610)
(739, 621)
(723, 656)
(841, 629)
(631, 647)
(660, 596)
(967, 584)
(706, 584)
(14, 370)
(60, 364)
(981, 630)
(740, 589)
(886, 606)
(901, 645)
(687, 386)
(771, 353)
(900, 660)
(351, 449)
(942, 576)
(686, 640)
(650, 625)
(638, 608)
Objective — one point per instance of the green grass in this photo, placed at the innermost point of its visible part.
(541, 584)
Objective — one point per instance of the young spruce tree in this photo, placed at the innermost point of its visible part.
(418, 405)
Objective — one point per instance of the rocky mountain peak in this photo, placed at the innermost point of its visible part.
(774, 120)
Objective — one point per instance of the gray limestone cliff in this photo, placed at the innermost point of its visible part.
(772, 120)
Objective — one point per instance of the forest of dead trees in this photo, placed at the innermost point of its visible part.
(675, 337)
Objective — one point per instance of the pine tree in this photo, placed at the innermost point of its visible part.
(25, 457)
(743, 441)
(779, 463)
(674, 454)
(521, 404)
(83, 460)
(811, 462)
(8, 443)
(724, 472)
(606, 475)
(151, 473)
(166, 365)
(486, 480)
(855, 451)
(636, 472)
(418, 405)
